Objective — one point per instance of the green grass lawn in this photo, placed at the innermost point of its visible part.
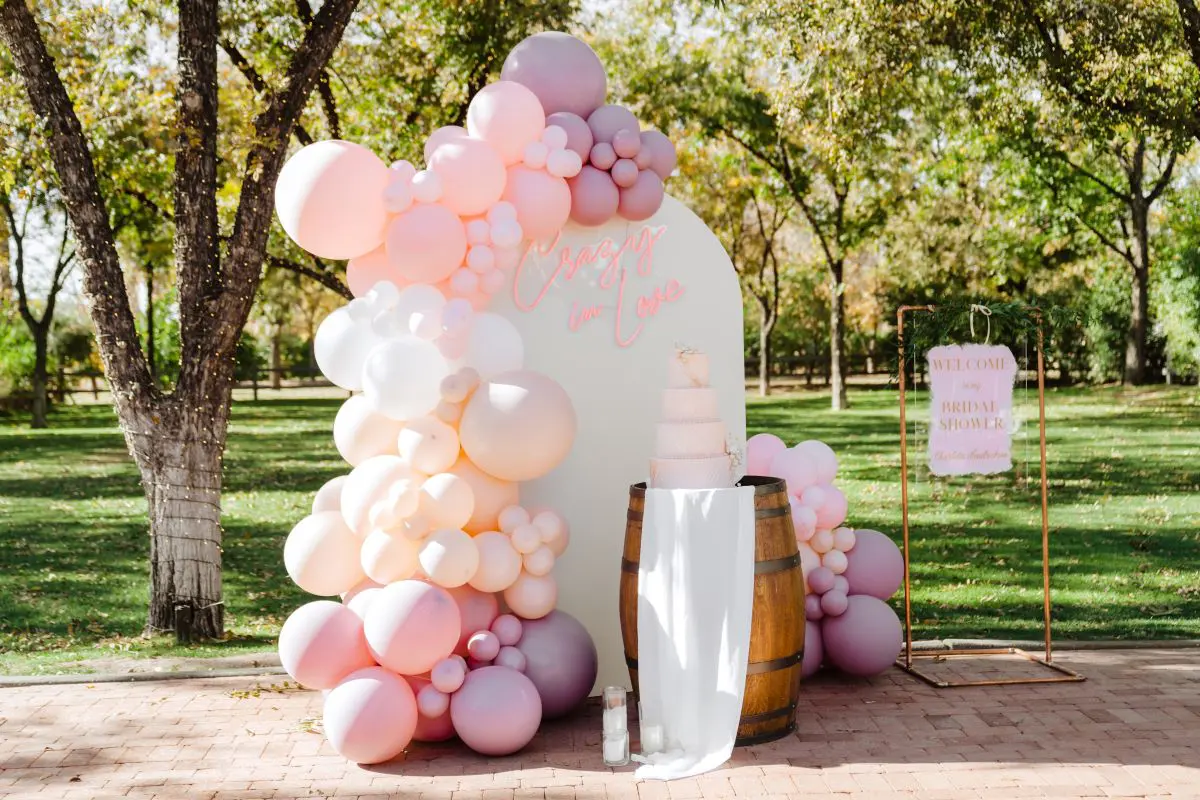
(1125, 522)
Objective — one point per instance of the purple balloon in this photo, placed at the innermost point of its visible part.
(560, 659)
(564, 73)
(814, 651)
(641, 200)
(875, 565)
(865, 640)
(812, 608)
(821, 580)
(606, 121)
(662, 152)
(579, 135)
(627, 142)
(624, 173)
(841, 584)
(594, 197)
(497, 711)
(834, 603)
(643, 158)
(602, 155)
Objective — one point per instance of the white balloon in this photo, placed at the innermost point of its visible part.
(342, 346)
(370, 483)
(403, 376)
(494, 346)
(329, 496)
(359, 432)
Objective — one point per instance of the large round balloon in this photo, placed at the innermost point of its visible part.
(499, 563)
(865, 640)
(402, 377)
(497, 711)
(492, 495)
(370, 717)
(449, 557)
(430, 729)
(472, 174)
(814, 650)
(643, 198)
(518, 426)
(822, 457)
(543, 201)
(429, 444)
(364, 272)
(875, 566)
(388, 557)
(579, 135)
(761, 450)
(594, 196)
(507, 116)
(321, 555)
(426, 243)
(563, 72)
(560, 659)
(321, 643)
(478, 610)
(341, 347)
(359, 432)
(411, 626)
(329, 496)
(447, 500)
(494, 346)
(375, 482)
(329, 198)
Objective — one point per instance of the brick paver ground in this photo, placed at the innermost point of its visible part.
(1132, 730)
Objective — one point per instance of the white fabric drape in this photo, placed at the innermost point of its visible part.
(695, 598)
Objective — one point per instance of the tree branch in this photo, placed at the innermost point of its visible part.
(1189, 15)
(324, 89)
(1096, 179)
(326, 279)
(257, 83)
(1164, 179)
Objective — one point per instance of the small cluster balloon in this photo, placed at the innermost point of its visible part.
(447, 623)
(848, 574)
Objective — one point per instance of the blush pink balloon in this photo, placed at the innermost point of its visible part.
(497, 711)
(508, 629)
(483, 646)
(432, 703)
(606, 121)
(643, 198)
(594, 197)
(435, 729)
(662, 153)
(761, 449)
(543, 201)
(875, 566)
(814, 652)
(359, 588)
(519, 426)
(411, 626)
(564, 73)
(477, 610)
(321, 643)
(329, 198)
(532, 596)
(865, 640)
(624, 173)
(371, 716)
(321, 555)
(492, 495)
(448, 674)
(441, 136)
(507, 116)
(804, 519)
(512, 658)
(472, 175)
(823, 457)
(427, 243)
(832, 512)
(579, 135)
(627, 143)
(363, 272)
(363, 600)
(795, 469)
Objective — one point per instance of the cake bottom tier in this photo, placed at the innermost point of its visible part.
(712, 472)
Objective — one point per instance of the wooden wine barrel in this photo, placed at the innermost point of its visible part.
(777, 625)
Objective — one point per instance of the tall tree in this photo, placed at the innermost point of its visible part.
(177, 438)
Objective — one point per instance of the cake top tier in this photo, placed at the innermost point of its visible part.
(687, 369)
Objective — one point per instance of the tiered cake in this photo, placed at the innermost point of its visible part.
(690, 451)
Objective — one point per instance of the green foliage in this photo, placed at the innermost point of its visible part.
(16, 354)
(250, 358)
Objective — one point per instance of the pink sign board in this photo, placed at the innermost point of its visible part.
(970, 416)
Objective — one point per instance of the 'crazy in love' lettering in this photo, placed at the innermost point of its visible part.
(626, 310)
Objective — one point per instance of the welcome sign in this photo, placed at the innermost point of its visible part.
(970, 419)
(602, 309)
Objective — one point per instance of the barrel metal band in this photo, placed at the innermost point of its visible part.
(769, 736)
(759, 513)
(754, 719)
(753, 668)
(760, 567)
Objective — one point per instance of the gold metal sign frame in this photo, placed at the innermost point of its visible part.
(906, 663)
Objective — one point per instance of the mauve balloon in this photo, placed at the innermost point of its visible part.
(496, 712)
(606, 121)
(865, 640)
(564, 73)
(814, 650)
(661, 150)
(594, 197)
(560, 659)
(875, 566)
(579, 135)
(641, 200)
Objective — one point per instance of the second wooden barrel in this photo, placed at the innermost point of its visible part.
(777, 625)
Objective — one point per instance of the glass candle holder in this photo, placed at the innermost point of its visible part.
(616, 749)
(615, 740)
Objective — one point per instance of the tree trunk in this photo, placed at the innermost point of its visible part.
(1139, 315)
(276, 359)
(766, 324)
(41, 376)
(6, 281)
(150, 355)
(837, 340)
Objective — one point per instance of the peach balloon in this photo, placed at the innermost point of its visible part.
(477, 609)
(321, 643)
(329, 496)
(429, 444)
(426, 243)
(388, 557)
(359, 588)
(512, 518)
(363, 600)
(373, 486)
(492, 495)
(359, 432)
(444, 134)
(809, 560)
(507, 116)
(556, 533)
(532, 596)
(543, 201)
(446, 500)
(371, 716)
(411, 626)
(449, 557)
(329, 199)
(518, 426)
(321, 555)
(499, 563)
(472, 175)
(364, 272)
(540, 561)
(429, 729)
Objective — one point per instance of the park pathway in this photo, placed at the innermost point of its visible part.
(1131, 730)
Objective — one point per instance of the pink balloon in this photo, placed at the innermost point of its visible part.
(507, 116)
(814, 651)
(426, 243)
(834, 603)
(444, 134)
(627, 143)
(321, 643)
(564, 73)
(497, 711)
(841, 584)
(640, 201)
(329, 198)
(864, 640)
(532, 596)
(594, 197)
(321, 555)
(662, 153)
(472, 175)
(411, 626)
(432, 703)
(606, 121)
(804, 519)
(823, 457)
(579, 135)
(602, 155)
(794, 469)
(512, 658)
(832, 512)
(624, 173)
(760, 450)
(820, 580)
(359, 588)
(483, 646)
(371, 716)
(448, 675)
(363, 272)
(477, 610)
(812, 607)
(543, 201)
(875, 566)
(491, 495)
(814, 497)
(519, 426)
(508, 629)
(436, 729)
